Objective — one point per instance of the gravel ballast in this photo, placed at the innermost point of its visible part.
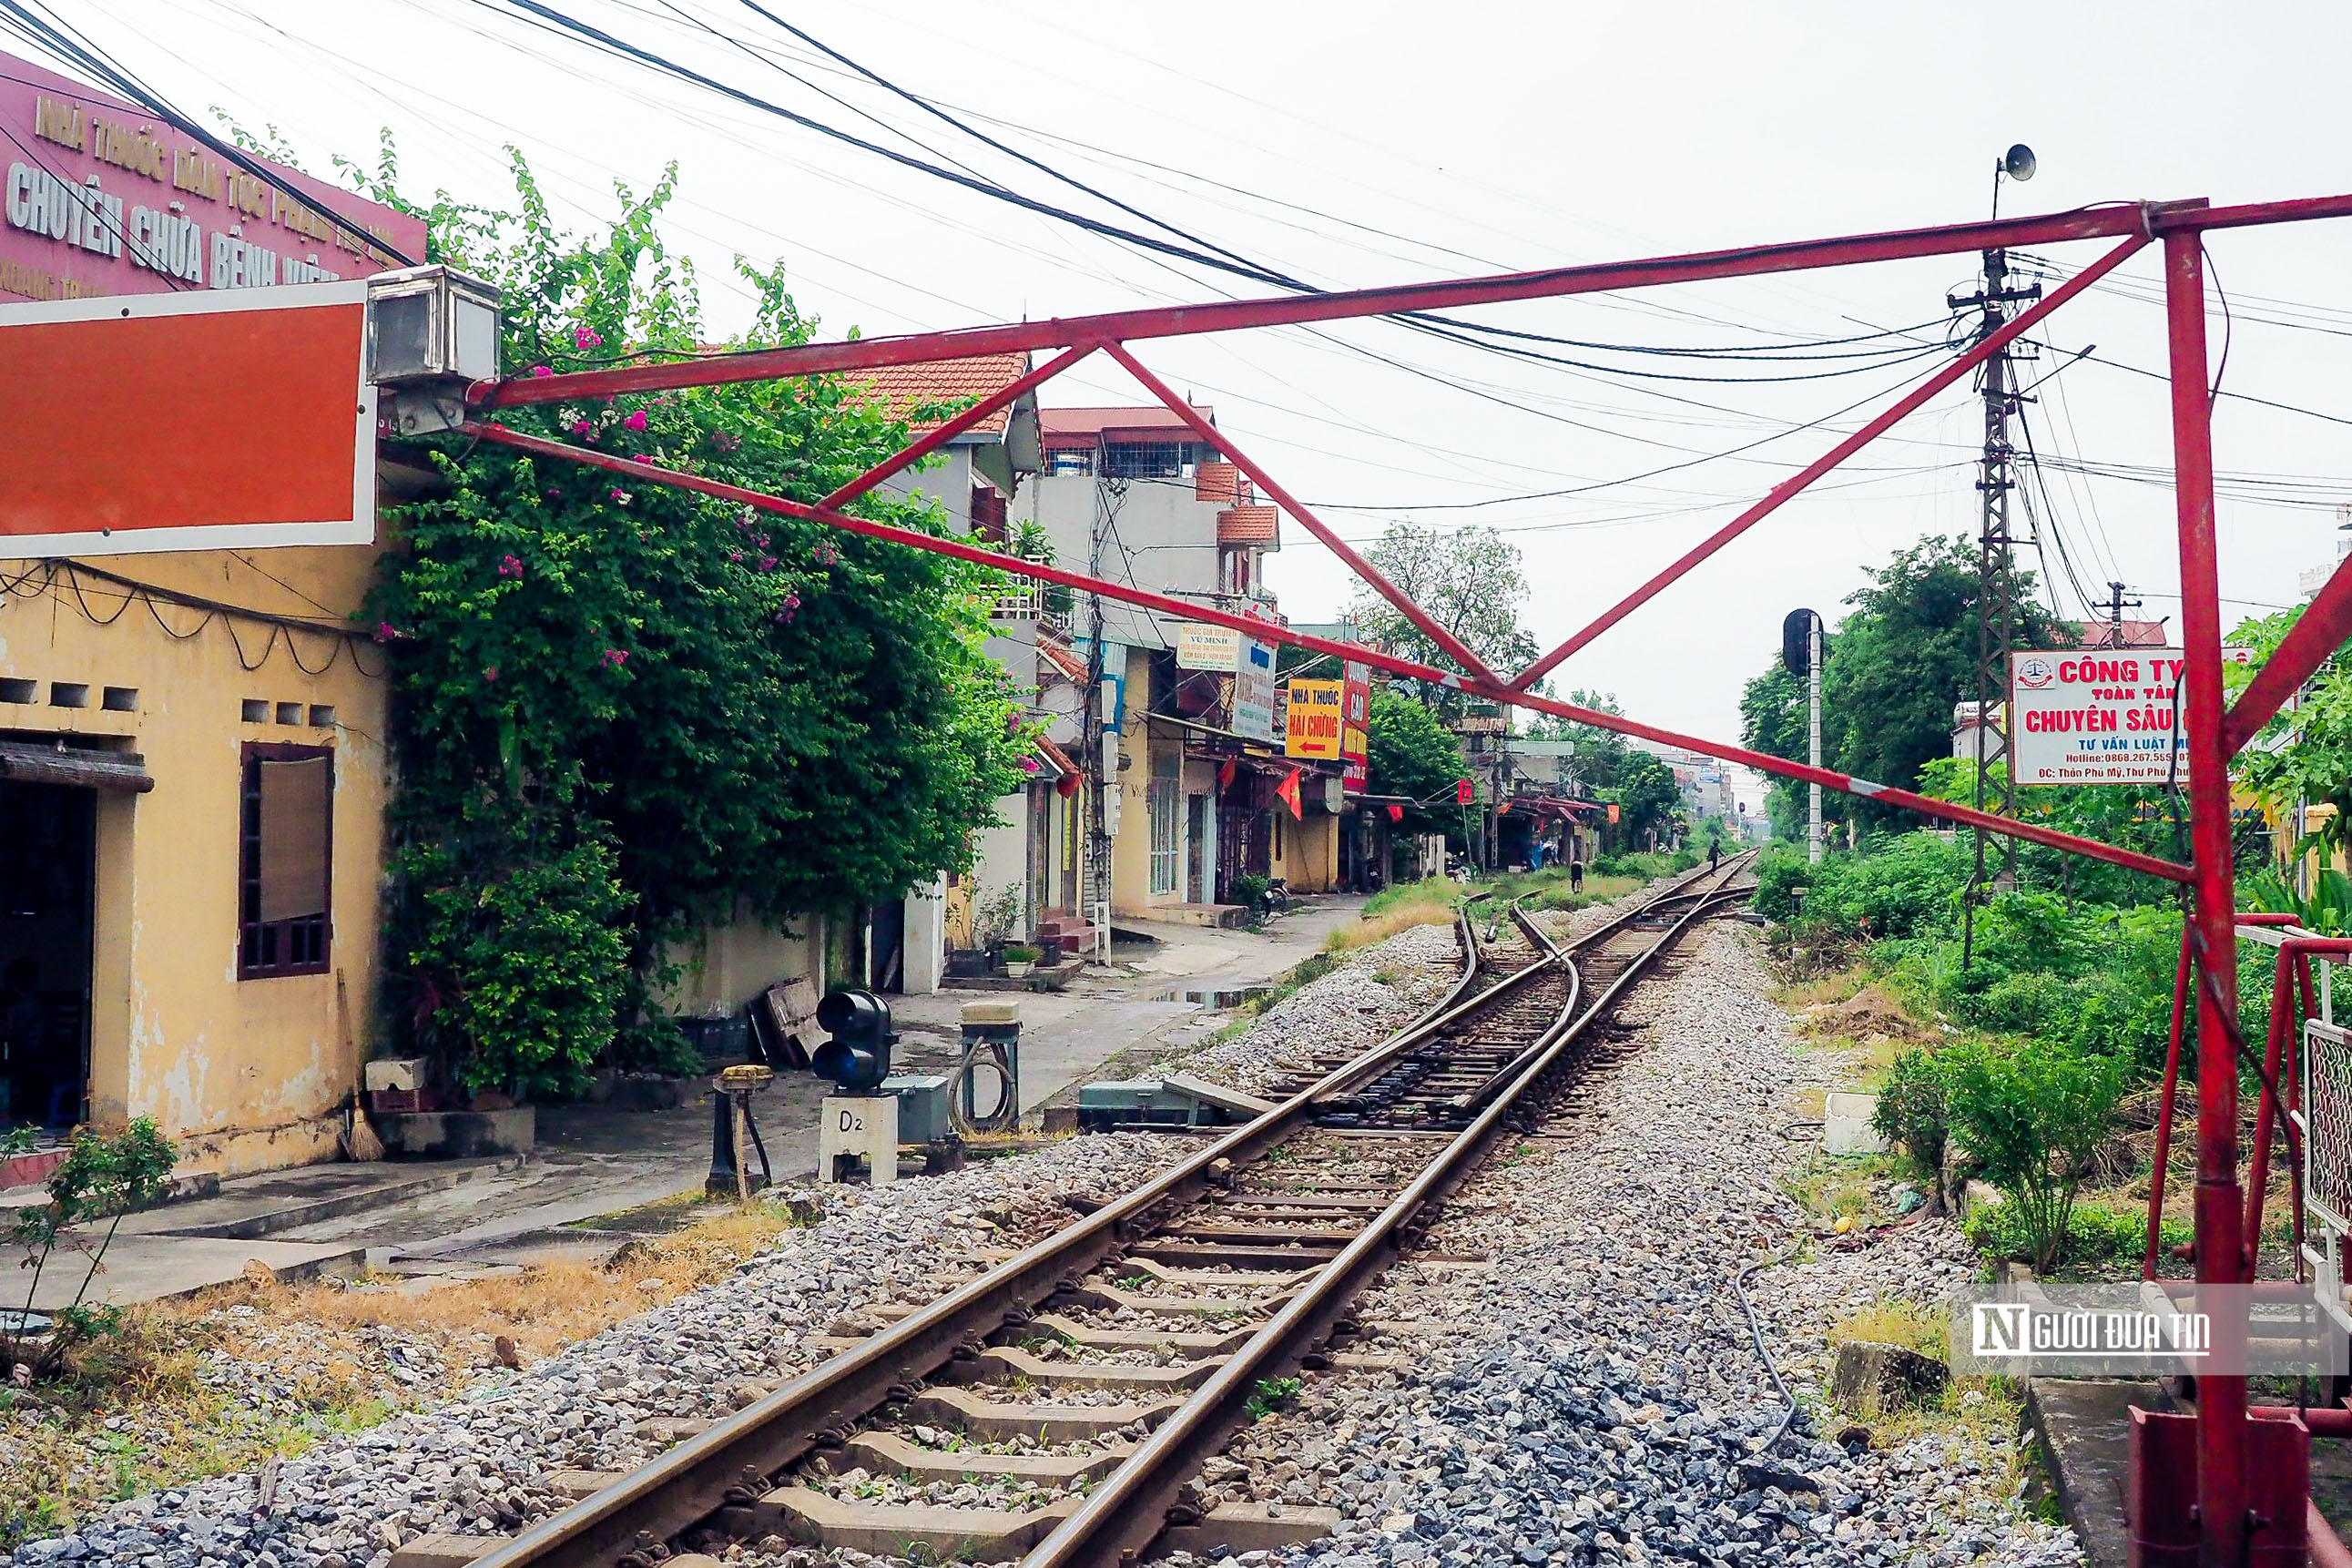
(1591, 1392)
(478, 1466)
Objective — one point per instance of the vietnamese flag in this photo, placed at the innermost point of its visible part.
(1396, 813)
(1287, 792)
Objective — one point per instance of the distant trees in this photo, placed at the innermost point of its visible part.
(1902, 658)
(1409, 753)
(1469, 580)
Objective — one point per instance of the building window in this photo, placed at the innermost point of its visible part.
(1146, 459)
(1070, 460)
(287, 835)
(1167, 846)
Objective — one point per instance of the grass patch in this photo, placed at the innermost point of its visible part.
(1431, 903)
(1434, 901)
(1837, 1187)
(2100, 1242)
(1890, 1322)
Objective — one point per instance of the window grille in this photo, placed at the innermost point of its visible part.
(287, 837)
(1160, 801)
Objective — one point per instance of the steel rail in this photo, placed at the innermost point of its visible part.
(692, 1479)
(1128, 1508)
(1703, 903)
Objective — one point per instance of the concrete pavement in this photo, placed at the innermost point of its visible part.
(599, 1175)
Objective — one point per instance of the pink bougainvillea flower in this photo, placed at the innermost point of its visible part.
(791, 601)
(616, 657)
(490, 674)
(583, 427)
(734, 555)
(767, 564)
(552, 493)
(541, 370)
(383, 632)
(620, 498)
(510, 566)
(635, 421)
(587, 338)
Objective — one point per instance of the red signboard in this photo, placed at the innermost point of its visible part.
(266, 435)
(97, 197)
(1355, 717)
(1464, 792)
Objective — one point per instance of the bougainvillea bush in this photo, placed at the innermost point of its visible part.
(625, 709)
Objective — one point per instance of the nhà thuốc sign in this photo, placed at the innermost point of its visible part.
(1315, 721)
(98, 198)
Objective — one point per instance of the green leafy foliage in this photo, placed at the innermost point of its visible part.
(2096, 1235)
(1913, 1115)
(1897, 664)
(1647, 799)
(1908, 885)
(1408, 753)
(2032, 1121)
(627, 708)
(2305, 754)
(541, 944)
(104, 1176)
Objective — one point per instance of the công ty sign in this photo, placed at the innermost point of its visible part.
(2098, 716)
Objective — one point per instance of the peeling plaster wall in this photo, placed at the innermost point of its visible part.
(246, 1075)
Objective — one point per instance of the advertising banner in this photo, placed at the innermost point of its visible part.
(1253, 691)
(1355, 709)
(1315, 718)
(1201, 646)
(2097, 716)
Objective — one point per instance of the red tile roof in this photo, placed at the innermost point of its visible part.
(951, 380)
(1247, 525)
(1064, 426)
(2136, 633)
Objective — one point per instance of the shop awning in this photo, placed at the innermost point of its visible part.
(29, 761)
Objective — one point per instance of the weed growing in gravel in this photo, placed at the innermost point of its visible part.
(1271, 1394)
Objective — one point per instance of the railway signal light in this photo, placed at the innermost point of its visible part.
(857, 1056)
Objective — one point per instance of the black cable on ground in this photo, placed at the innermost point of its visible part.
(1763, 1353)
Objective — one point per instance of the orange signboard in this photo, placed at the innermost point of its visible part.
(195, 421)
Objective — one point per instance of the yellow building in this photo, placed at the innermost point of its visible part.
(194, 783)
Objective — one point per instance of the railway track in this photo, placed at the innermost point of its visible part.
(1056, 1408)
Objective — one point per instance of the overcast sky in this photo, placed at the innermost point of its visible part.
(1370, 143)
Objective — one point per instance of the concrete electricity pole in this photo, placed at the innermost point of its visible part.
(1813, 735)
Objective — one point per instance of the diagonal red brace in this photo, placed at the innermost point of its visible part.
(1268, 631)
(1787, 489)
(1454, 648)
(2320, 631)
(1002, 398)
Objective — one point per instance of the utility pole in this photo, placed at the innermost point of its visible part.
(1101, 739)
(2116, 605)
(1813, 735)
(1996, 569)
